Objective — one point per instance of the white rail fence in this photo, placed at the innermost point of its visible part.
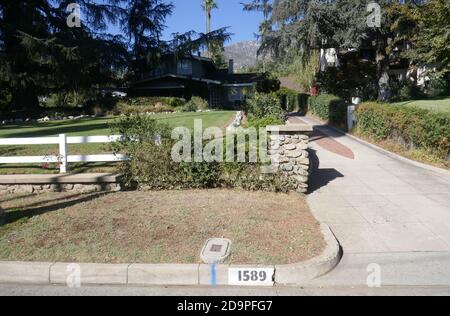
(63, 158)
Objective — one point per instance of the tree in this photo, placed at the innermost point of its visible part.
(264, 6)
(302, 26)
(208, 6)
(191, 42)
(214, 50)
(144, 22)
(426, 26)
(41, 53)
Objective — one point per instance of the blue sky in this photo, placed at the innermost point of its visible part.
(188, 15)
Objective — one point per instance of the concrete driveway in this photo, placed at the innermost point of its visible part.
(383, 210)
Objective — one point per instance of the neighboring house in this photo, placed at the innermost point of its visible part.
(197, 76)
(328, 58)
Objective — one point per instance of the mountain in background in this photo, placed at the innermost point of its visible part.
(244, 53)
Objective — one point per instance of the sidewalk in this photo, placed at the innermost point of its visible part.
(381, 209)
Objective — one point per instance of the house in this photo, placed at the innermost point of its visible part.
(197, 76)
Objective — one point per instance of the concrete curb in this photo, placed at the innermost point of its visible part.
(163, 274)
(297, 274)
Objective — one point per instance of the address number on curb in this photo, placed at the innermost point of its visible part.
(251, 276)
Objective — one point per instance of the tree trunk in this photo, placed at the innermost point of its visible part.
(383, 84)
(208, 30)
(209, 22)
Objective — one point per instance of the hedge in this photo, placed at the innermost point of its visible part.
(151, 165)
(262, 105)
(329, 108)
(292, 101)
(414, 127)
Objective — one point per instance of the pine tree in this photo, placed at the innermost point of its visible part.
(144, 22)
(41, 53)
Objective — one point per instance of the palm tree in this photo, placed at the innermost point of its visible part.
(264, 6)
(208, 6)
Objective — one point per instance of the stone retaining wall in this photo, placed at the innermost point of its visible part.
(288, 151)
(82, 183)
(78, 188)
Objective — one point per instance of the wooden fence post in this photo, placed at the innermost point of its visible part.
(62, 153)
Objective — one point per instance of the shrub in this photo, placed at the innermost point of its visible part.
(151, 165)
(439, 87)
(406, 91)
(412, 127)
(195, 104)
(303, 99)
(142, 105)
(262, 105)
(289, 99)
(329, 108)
(265, 121)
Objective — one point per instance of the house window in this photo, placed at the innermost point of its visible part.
(184, 67)
(235, 94)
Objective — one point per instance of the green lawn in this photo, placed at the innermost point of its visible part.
(439, 104)
(86, 127)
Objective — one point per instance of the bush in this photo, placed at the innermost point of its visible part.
(303, 99)
(439, 87)
(289, 99)
(406, 91)
(71, 99)
(262, 105)
(148, 105)
(329, 108)
(151, 165)
(265, 121)
(412, 127)
(195, 104)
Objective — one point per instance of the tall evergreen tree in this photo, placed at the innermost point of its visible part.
(303, 26)
(144, 22)
(263, 6)
(40, 52)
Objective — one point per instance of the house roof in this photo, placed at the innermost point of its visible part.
(240, 78)
(174, 76)
(213, 75)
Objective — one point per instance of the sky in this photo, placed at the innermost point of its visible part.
(188, 15)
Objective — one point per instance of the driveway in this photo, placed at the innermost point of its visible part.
(383, 210)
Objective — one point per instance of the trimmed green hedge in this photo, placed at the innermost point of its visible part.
(414, 127)
(288, 99)
(292, 101)
(329, 108)
(262, 105)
